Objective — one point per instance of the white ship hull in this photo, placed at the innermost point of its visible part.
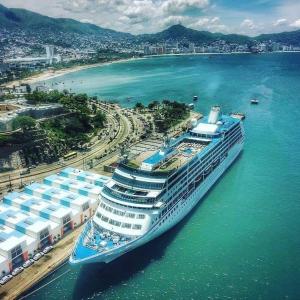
(182, 210)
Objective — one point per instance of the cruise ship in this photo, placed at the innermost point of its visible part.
(151, 192)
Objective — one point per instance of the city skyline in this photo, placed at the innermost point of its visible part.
(147, 16)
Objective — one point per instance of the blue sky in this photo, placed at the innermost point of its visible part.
(250, 17)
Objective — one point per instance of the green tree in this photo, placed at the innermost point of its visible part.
(99, 119)
(153, 105)
(23, 122)
(139, 106)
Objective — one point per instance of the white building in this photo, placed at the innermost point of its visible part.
(15, 247)
(44, 213)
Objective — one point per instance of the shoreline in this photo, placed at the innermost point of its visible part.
(50, 74)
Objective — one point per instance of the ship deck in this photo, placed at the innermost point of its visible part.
(180, 155)
(94, 241)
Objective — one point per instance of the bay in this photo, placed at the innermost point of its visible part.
(242, 241)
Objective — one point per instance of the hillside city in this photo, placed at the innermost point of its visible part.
(23, 52)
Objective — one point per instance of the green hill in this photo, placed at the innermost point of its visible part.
(179, 32)
(14, 18)
(289, 38)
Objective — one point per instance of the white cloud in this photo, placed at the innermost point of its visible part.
(145, 16)
(181, 6)
(248, 24)
(296, 24)
(211, 24)
(280, 22)
(173, 20)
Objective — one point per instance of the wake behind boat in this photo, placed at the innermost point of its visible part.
(150, 193)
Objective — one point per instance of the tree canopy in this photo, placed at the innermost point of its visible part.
(23, 122)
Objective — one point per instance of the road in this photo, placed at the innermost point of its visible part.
(120, 130)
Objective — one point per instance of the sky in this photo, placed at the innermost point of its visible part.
(251, 17)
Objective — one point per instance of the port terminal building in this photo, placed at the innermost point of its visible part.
(43, 213)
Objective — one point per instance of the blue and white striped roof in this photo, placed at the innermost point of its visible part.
(58, 195)
(44, 208)
(92, 178)
(24, 221)
(83, 188)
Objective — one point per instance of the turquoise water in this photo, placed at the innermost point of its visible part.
(242, 241)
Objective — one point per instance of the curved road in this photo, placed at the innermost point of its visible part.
(124, 130)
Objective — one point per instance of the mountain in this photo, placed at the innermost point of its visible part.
(179, 32)
(15, 18)
(288, 38)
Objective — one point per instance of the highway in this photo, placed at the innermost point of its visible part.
(119, 131)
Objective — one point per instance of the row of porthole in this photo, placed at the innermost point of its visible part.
(117, 223)
(121, 213)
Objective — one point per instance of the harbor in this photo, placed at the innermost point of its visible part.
(242, 241)
(47, 213)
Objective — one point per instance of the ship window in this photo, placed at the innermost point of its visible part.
(114, 222)
(141, 216)
(137, 226)
(126, 225)
(99, 215)
(130, 215)
(104, 219)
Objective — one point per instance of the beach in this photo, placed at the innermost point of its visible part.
(50, 73)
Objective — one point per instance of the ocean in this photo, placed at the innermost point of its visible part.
(243, 240)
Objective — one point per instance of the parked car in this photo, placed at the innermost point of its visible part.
(17, 271)
(28, 263)
(37, 256)
(47, 249)
(6, 279)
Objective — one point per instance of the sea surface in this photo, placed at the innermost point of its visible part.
(243, 240)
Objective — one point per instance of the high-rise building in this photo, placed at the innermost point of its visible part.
(191, 47)
(50, 53)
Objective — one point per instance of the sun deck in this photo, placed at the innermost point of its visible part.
(94, 240)
(169, 158)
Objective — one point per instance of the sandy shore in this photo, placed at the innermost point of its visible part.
(49, 74)
(40, 269)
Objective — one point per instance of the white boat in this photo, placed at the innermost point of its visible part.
(140, 203)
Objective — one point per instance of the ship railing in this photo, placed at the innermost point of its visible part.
(92, 237)
(137, 183)
(127, 198)
(144, 173)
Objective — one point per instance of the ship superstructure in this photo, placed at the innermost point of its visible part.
(150, 193)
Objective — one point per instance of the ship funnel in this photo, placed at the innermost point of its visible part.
(214, 115)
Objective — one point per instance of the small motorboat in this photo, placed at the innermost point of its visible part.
(195, 98)
(254, 101)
